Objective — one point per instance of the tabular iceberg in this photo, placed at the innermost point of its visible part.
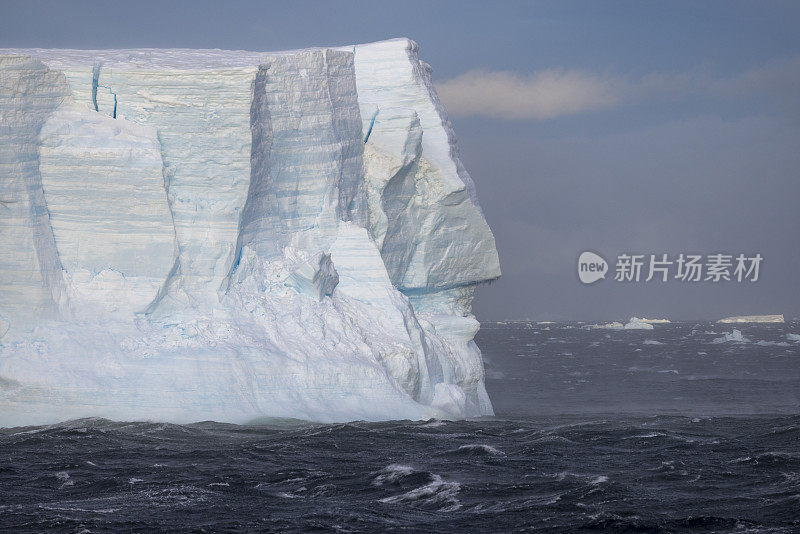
(753, 319)
(205, 234)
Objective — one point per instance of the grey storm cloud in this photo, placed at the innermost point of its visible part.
(552, 93)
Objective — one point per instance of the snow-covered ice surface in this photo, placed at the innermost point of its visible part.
(206, 234)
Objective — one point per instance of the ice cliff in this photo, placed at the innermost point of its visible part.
(203, 234)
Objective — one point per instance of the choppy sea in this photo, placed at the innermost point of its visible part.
(666, 430)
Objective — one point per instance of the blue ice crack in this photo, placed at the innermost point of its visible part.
(371, 124)
(95, 80)
(96, 84)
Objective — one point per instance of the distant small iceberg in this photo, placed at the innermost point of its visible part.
(753, 319)
(616, 325)
(635, 323)
(650, 321)
(793, 337)
(638, 324)
(735, 336)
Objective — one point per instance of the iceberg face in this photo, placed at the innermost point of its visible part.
(104, 188)
(192, 235)
(427, 218)
(31, 281)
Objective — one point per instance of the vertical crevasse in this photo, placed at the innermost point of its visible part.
(95, 82)
(96, 85)
(371, 124)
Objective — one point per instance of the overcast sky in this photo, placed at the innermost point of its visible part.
(638, 127)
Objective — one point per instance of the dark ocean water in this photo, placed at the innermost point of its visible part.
(596, 431)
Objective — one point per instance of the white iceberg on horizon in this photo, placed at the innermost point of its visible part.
(634, 323)
(650, 321)
(638, 324)
(616, 325)
(778, 318)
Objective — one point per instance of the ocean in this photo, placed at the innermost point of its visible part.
(673, 429)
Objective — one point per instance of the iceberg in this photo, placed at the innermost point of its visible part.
(202, 234)
(753, 319)
(650, 321)
(634, 323)
(638, 324)
(615, 325)
(734, 336)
